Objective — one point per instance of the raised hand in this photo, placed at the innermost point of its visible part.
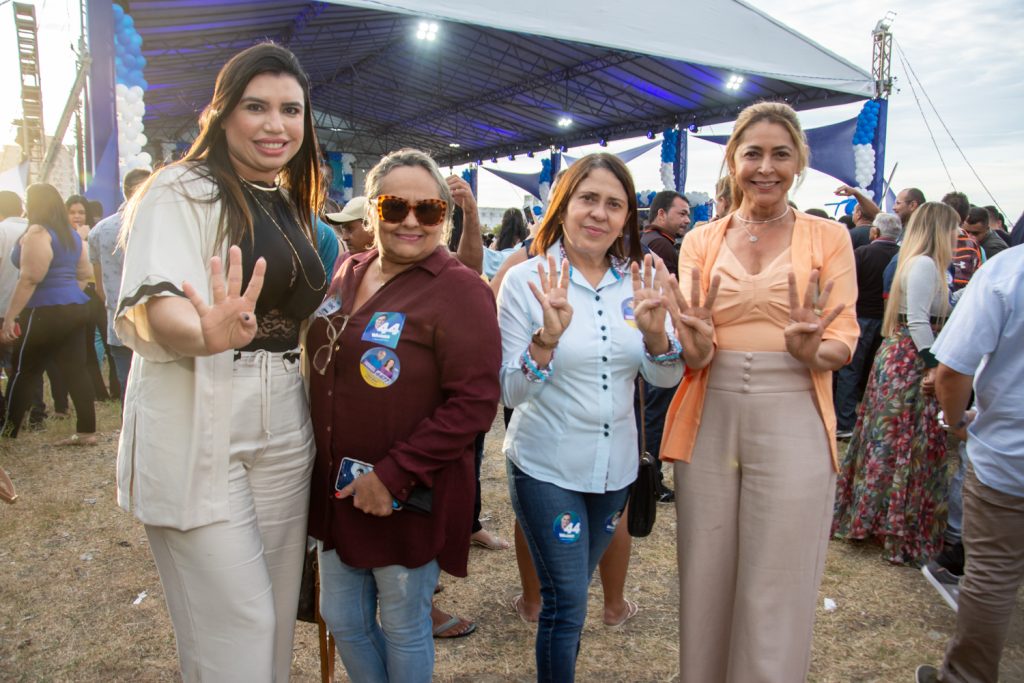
(229, 322)
(648, 300)
(692, 319)
(553, 296)
(808, 319)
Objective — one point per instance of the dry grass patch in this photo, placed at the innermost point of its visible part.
(72, 564)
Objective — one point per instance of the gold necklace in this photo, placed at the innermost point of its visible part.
(291, 246)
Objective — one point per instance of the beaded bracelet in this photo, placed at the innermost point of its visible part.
(532, 371)
(675, 350)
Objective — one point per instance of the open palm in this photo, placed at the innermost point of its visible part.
(229, 322)
(553, 297)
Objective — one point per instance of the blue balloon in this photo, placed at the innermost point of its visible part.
(118, 10)
(136, 41)
(128, 21)
(144, 84)
(141, 62)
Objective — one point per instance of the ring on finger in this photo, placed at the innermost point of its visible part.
(818, 312)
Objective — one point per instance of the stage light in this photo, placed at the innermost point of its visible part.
(734, 82)
(602, 142)
(529, 155)
(454, 145)
(511, 157)
(563, 148)
(479, 162)
(564, 122)
(650, 134)
(693, 127)
(494, 159)
(427, 31)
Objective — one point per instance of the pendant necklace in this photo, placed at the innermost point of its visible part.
(751, 236)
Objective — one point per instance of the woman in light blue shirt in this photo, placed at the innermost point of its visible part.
(573, 340)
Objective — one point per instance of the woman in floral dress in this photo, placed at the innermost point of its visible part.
(892, 482)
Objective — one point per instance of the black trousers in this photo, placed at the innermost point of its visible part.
(58, 333)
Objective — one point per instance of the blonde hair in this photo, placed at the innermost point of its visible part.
(771, 112)
(406, 157)
(928, 233)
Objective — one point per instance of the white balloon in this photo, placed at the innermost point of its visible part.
(141, 139)
(137, 91)
(139, 109)
(144, 159)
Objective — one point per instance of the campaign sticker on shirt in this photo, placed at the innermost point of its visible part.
(612, 522)
(627, 312)
(567, 527)
(384, 328)
(329, 307)
(379, 367)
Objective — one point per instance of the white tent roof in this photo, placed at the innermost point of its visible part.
(737, 36)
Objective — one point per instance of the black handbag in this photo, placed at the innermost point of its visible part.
(643, 494)
(307, 589)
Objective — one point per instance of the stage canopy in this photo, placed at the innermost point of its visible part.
(499, 75)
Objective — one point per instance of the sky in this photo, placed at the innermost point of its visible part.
(967, 55)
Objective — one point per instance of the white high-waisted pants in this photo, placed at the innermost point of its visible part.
(754, 510)
(232, 587)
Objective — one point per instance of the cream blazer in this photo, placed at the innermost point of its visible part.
(172, 459)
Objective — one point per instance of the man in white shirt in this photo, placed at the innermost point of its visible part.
(983, 338)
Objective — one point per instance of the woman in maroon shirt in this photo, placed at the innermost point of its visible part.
(405, 355)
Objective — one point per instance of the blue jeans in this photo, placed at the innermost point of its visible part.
(400, 648)
(122, 356)
(955, 518)
(567, 532)
(848, 391)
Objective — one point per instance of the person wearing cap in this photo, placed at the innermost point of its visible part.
(350, 224)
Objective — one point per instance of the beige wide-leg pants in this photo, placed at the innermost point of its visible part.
(754, 509)
(232, 587)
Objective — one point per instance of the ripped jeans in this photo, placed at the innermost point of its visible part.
(398, 648)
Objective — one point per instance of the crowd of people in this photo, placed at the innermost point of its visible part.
(290, 371)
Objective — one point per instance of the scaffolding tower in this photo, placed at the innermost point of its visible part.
(31, 136)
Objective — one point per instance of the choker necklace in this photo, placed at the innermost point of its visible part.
(272, 188)
(751, 236)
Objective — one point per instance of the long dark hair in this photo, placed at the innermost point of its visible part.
(301, 176)
(44, 206)
(551, 227)
(513, 229)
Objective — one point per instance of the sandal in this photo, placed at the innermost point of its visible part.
(632, 609)
(485, 539)
(516, 603)
(7, 492)
(464, 626)
(77, 440)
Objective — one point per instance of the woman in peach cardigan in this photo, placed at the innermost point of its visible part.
(752, 429)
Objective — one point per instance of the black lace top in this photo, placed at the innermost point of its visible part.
(295, 281)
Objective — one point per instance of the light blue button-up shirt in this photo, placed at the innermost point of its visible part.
(577, 429)
(985, 337)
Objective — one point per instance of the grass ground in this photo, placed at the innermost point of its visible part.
(73, 568)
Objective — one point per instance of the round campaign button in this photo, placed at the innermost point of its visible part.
(380, 367)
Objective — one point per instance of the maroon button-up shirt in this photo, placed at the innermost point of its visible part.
(417, 426)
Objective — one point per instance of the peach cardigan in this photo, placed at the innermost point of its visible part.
(817, 243)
